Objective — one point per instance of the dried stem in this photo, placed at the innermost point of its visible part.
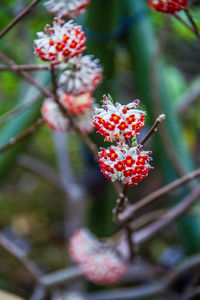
(193, 23)
(13, 141)
(19, 255)
(153, 128)
(19, 17)
(26, 76)
(25, 67)
(127, 215)
(191, 28)
(174, 213)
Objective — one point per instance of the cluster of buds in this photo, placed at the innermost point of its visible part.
(127, 164)
(77, 105)
(60, 42)
(97, 262)
(66, 8)
(83, 74)
(118, 122)
(57, 120)
(168, 6)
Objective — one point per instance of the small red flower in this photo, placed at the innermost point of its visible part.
(130, 119)
(115, 118)
(129, 161)
(113, 155)
(168, 6)
(109, 126)
(119, 166)
(122, 126)
(128, 173)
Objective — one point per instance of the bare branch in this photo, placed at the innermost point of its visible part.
(129, 212)
(19, 17)
(14, 140)
(25, 67)
(153, 128)
(19, 255)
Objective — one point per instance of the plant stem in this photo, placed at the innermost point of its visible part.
(130, 211)
(15, 140)
(18, 18)
(25, 67)
(153, 129)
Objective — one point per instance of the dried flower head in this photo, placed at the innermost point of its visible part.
(118, 122)
(53, 116)
(67, 8)
(60, 42)
(83, 75)
(168, 6)
(129, 165)
(97, 262)
(76, 105)
(57, 120)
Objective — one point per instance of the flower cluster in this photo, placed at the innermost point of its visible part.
(97, 262)
(66, 8)
(77, 105)
(83, 75)
(60, 42)
(168, 6)
(57, 120)
(118, 122)
(127, 164)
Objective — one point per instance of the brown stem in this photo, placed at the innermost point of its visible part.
(127, 215)
(121, 203)
(193, 23)
(153, 128)
(18, 18)
(26, 76)
(25, 67)
(149, 231)
(13, 141)
(191, 28)
(19, 255)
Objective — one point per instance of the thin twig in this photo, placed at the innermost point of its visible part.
(14, 140)
(19, 255)
(24, 67)
(185, 24)
(39, 293)
(149, 231)
(39, 167)
(153, 128)
(18, 18)
(185, 101)
(26, 76)
(130, 211)
(193, 23)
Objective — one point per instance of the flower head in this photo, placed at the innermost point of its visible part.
(66, 8)
(97, 262)
(129, 165)
(53, 116)
(76, 105)
(168, 6)
(83, 75)
(57, 120)
(118, 122)
(60, 42)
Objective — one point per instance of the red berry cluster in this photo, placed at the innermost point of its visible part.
(168, 6)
